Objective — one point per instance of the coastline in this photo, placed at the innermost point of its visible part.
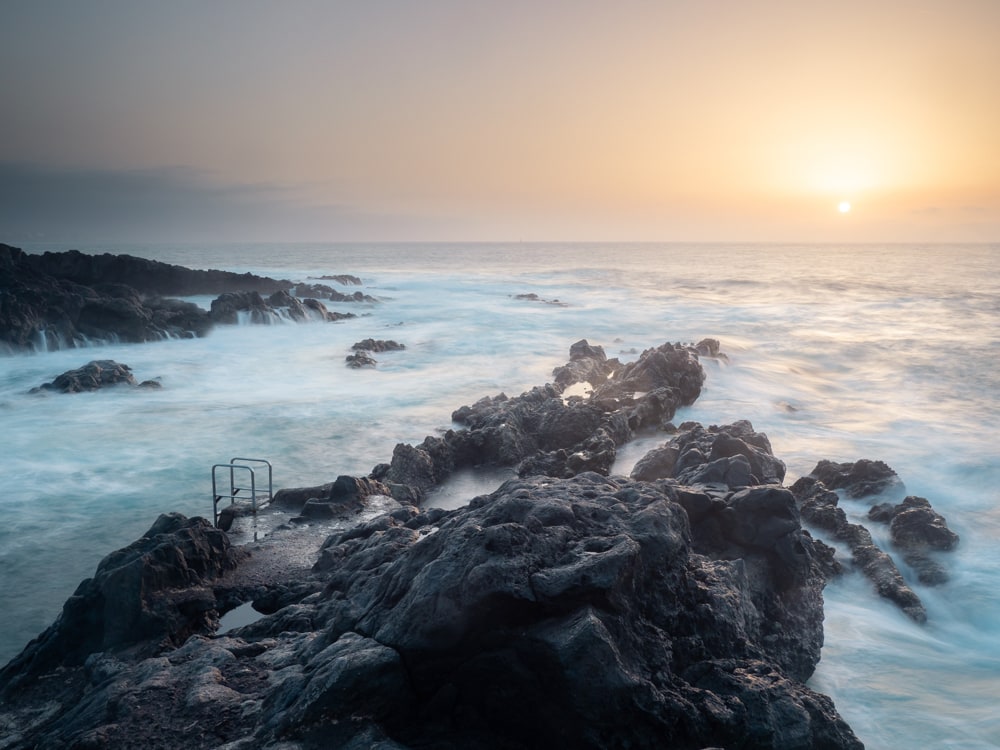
(731, 393)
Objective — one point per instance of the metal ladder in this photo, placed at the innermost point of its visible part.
(245, 468)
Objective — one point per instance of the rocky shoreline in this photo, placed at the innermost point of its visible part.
(69, 299)
(680, 606)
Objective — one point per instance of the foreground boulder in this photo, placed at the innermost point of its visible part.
(553, 612)
(149, 595)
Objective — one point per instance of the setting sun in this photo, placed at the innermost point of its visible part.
(844, 207)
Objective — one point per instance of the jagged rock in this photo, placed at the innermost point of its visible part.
(148, 594)
(918, 530)
(147, 276)
(540, 432)
(360, 359)
(583, 611)
(733, 455)
(343, 278)
(532, 297)
(819, 507)
(98, 373)
(347, 492)
(326, 292)
(587, 364)
(859, 478)
(380, 345)
(61, 300)
(574, 612)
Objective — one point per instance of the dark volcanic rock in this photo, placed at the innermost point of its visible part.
(60, 300)
(918, 531)
(587, 364)
(360, 359)
(343, 278)
(819, 507)
(540, 432)
(559, 611)
(347, 492)
(733, 455)
(147, 276)
(326, 292)
(148, 594)
(859, 478)
(379, 345)
(567, 613)
(93, 376)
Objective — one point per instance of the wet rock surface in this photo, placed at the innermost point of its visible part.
(568, 608)
(918, 531)
(67, 299)
(94, 376)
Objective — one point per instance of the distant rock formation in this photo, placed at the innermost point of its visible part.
(64, 300)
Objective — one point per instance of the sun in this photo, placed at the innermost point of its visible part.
(844, 207)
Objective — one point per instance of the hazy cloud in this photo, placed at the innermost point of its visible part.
(170, 204)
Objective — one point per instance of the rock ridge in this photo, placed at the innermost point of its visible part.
(570, 607)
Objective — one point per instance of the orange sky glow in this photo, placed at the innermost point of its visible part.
(447, 120)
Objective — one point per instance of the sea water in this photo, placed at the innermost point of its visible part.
(836, 352)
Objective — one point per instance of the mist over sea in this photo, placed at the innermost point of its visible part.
(884, 352)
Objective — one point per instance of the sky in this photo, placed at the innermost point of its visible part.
(467, 120)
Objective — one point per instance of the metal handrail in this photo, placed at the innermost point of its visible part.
(234, 489)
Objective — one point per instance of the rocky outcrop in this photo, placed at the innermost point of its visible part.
(251, 307)
(378, 345)
(732, 456)
(360, 359)
(532, 297)
(573, 612)
(918, 531)
(93, 376)
(148, 596)
(362, 352)
(322, 291)
(63, 300)
(820, 508)
(858, 479)
(540, 431)
(344, 279)
(147, 277)
(564, 609)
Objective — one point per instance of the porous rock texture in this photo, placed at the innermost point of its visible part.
(564, 609)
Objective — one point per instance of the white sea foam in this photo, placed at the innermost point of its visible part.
(838, 353)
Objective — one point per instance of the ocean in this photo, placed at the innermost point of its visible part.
(885, 352)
